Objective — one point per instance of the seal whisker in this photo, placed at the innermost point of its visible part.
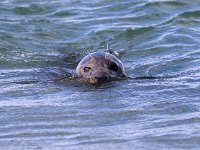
(87, 51)
(91, 55)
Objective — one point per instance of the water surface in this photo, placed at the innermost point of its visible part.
(43, 41)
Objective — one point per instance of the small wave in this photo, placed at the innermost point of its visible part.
(63, 13)
(166, 3)
(29, 10)
(193, 14)
(185, 18)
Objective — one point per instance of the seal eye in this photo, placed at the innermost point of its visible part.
(86, 69)
(113, 67)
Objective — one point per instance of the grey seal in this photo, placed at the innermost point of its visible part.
(99, 67)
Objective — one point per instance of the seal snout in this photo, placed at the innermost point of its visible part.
(101, 79)
(100, 76)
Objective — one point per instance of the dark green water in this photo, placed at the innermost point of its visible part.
(42, 41)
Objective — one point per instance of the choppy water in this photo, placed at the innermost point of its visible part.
(42, 41)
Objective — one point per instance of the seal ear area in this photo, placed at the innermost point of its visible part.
(117, 68)
(113, 66)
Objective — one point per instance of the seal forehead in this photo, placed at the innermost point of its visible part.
(99, 58)
(102, 57)
(96, 58)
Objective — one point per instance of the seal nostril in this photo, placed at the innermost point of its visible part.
(101, 79)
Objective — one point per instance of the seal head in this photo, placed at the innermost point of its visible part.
(99, 67)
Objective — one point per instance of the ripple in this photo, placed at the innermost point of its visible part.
(30, 10)
(193, 14)
(166, 4)
(137, 31)
(64, 13)
(184, 18)
(41, 107)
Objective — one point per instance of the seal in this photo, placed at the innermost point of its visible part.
(100, 67)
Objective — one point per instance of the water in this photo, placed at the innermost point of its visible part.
(43, 41)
